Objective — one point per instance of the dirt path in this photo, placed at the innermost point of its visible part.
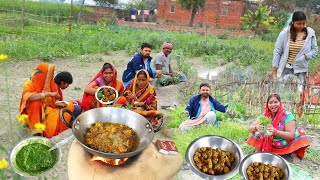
(82, 68)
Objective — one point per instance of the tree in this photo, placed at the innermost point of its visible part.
(311, 5)
(106, 3)
(142, 4)
(193, 6)
(259, 20)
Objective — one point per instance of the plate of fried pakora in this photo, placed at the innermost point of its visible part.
(106, 94)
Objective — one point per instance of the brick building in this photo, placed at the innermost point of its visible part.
(216, 13)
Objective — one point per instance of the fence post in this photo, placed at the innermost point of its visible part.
(70, 17)
(22, 15)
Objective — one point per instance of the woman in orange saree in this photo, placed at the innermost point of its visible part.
(285, 138)
(38, 102)
(107, 76)
(141, 96)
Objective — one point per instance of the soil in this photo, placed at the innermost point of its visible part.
(83, 69)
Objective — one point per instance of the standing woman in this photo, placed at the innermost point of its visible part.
(107, 76)
(295, 45)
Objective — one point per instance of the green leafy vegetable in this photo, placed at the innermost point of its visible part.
(264, 121)
(35, 158)
(100, 95)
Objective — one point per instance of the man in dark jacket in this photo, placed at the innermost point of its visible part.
(141, 60)
(202, 109)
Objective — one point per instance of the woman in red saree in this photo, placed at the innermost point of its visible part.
(107, 76)
(286, 137)
(38, 102)
(141, 96)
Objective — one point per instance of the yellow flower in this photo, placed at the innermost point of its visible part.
(41, 127)
(4, 164)
(23, 118)
(3, 57)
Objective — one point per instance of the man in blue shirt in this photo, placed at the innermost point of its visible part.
(202, 109)
(141, 60)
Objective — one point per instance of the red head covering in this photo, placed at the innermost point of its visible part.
(87, 98)
(100, 74)
(167, 45)
(279, 114)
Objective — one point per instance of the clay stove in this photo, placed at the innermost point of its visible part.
(149, 164)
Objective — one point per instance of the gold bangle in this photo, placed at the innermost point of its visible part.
(42, 95)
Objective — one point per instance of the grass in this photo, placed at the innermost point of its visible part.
(175, 117)
(231, 130)
(43, 9)
(312, 154)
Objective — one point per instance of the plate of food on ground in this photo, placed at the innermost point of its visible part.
(106, 95)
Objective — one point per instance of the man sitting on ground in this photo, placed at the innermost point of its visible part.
(202, 109)
(141, 60)
(163, 63)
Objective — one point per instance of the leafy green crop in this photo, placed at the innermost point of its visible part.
(264, 121)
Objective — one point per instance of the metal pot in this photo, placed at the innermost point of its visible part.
(214, 142)
(138, 123)
(266, 158)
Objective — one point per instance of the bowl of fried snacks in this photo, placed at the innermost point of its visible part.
(262, 165)
(214, 157)
(106, 94)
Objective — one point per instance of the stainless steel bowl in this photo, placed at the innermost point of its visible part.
(266, 158)
(214, 142)
(30, 140)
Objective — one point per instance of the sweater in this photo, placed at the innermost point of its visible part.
(281, 52)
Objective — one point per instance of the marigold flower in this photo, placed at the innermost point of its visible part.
(3, 57)
(41, 127)
(4, 164)
(24, 119)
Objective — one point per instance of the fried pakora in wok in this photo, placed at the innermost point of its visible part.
(112, 138)
(213, 161)
(260, 171)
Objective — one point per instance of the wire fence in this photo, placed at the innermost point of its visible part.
(303, 100)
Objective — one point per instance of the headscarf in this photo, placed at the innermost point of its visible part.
(136, 78)
(100, 74)
(87, 98)
(278, 116)
(167, 45)
(41, 81)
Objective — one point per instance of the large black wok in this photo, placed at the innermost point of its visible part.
(138, 123)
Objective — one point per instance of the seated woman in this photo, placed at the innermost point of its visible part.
(287, 138)
(39, 96)
(141, 96)
(107, 76)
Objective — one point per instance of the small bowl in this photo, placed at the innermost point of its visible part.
(27, 141)
(214, 142)
(266, 158)
(100, 89)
